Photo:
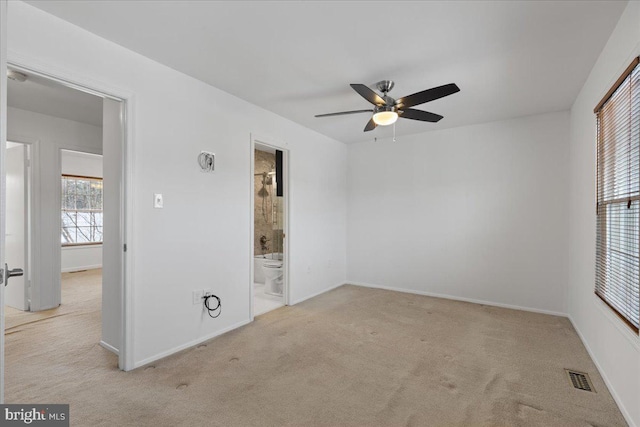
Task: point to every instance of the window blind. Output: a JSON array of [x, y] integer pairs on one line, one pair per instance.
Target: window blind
[[618, 197]]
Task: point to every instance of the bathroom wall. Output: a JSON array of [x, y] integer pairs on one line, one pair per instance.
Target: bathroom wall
[[263, 204]]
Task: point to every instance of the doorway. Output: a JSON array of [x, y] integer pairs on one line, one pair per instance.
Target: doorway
[[269, 284], [69, 251]]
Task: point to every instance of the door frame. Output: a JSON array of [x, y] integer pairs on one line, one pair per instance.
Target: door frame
[[277, 145], [104, 90], [3, 144]]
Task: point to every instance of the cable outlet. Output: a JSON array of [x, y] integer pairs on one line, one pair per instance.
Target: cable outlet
[[158, 202], [197, 297]]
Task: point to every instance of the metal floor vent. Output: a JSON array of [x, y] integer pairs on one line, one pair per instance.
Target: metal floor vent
[[580, 380]]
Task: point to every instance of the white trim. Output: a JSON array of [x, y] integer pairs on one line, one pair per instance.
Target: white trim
[[125, 359], [298, 301], [109, 347], [80, 268], [457, 298], [252, 207], [612, 390], [193, 343]]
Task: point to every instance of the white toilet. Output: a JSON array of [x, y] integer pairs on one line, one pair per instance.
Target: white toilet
[[273, 276]]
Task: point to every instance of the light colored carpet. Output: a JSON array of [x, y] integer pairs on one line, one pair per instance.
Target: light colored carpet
[[81, 293], [350, 357]]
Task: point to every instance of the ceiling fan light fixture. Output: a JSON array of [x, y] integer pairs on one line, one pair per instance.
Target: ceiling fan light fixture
[[385, 116]]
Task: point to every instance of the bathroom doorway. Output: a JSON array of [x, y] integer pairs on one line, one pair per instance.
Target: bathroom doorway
[[269, 284]]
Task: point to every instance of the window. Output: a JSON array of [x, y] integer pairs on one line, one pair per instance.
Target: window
[[618, 197], [81, 210]]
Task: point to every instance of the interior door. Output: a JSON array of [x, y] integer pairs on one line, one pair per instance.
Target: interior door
[[16, 217]]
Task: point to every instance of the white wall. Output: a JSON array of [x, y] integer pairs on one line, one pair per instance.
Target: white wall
[[614, 348], [49, 135], [81, 164], [477, 212], [201, 237], [76, 258]]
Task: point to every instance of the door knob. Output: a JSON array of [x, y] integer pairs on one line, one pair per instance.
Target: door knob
[[16, 272]]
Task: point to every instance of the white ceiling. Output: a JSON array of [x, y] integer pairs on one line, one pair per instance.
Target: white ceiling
[[44, 96], [297, 59]]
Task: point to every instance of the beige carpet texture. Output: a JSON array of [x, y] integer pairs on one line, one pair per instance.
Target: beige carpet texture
[[350, 357]]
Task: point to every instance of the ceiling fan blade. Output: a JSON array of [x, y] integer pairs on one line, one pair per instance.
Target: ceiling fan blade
[[344, 112], [371, 125], [423, 116], [427, 95], [368, 94]]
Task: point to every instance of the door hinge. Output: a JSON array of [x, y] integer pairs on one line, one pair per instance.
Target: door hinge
[[125, 247]]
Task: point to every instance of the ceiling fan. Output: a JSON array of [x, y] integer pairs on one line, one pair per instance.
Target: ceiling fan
[[387, 110]]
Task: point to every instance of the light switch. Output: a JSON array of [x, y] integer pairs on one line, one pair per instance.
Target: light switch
[[158, 203]]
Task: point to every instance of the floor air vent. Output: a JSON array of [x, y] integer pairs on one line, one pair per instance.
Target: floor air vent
[[580, 380]]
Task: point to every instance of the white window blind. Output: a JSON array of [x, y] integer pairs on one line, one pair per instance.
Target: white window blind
[[618, 197]]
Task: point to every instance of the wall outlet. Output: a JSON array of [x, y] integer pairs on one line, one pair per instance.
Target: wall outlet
[[197, 297]]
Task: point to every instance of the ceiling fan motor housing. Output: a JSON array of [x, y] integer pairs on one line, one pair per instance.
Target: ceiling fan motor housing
[[385, 86]]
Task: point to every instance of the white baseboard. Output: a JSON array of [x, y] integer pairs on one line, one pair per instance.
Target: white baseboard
[[457, 298], [109, 347], [298, 301], [612, 390], [80, 268], [190, 344]]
